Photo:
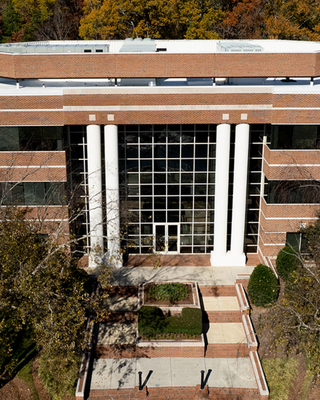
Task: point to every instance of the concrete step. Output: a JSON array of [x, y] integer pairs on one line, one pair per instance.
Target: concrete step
[[222, 309]]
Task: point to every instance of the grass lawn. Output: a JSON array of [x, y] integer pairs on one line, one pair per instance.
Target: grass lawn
[[280, 374], [25, 374]]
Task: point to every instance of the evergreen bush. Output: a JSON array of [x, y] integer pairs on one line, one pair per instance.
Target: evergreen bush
[[287, 262], [263, 286], [151, 322]]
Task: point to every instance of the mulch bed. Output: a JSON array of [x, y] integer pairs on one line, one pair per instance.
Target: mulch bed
[[148, 300]]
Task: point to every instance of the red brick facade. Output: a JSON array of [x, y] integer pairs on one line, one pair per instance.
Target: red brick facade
[[23, 66]]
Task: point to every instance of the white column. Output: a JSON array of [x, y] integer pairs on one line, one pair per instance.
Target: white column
[[95, 194], [239, 195], [112, 193], [218, 255]]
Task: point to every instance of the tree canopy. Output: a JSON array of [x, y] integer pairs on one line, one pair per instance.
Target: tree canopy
[[42, 290], [295, 319], [167, 19]]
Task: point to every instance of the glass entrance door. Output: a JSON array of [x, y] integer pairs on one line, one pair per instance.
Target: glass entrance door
[[166, 238]]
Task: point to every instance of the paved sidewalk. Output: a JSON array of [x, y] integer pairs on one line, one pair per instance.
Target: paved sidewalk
[[132, 276], [168, 372]]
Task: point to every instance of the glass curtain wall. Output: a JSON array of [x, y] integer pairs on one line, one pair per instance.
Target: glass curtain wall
[[167, 180]]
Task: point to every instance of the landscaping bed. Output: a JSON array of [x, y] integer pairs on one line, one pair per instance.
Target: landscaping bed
[[146, 296], [169, 315], [151, 299]]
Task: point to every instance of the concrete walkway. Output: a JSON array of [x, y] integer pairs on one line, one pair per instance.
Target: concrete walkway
[[133, 276], [168, 372]]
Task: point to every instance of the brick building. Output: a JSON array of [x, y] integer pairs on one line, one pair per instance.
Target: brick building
[[211, 147]]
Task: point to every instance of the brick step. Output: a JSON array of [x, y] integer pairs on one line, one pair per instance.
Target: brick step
[[122, 291], [124, 317], [176, 392], [132, 351], [227, 350], [217, 290], [224, 316]]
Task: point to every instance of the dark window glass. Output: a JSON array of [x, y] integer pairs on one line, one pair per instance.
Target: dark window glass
[[186, 165], [202, 178], [145, 178], [159, 203], [159, 178], [146, 165], [187, 150], [174, 165], [173, 203], [173, 151], [132, 151], [173, 216], [146, 151], [146, 189], [160, 151], [187, 189], [159, 216], [160, 190], [146, 203], [146, 229], [173, 190], [201, 150], [173, 178], [187, 178], [201, 165]]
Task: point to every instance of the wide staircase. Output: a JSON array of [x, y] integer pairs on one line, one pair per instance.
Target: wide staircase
[[230, 361]]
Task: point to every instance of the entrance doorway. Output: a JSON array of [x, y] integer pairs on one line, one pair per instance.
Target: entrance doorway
[[166, 238]]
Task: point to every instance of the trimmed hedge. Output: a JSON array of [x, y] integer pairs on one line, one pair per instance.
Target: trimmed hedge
[[263, 286], [287, 262], [151, 322]]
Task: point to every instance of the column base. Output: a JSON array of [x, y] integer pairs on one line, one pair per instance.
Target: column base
[[228, 260]]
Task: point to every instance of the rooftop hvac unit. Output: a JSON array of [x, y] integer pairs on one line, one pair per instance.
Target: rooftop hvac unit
[[238, 47]]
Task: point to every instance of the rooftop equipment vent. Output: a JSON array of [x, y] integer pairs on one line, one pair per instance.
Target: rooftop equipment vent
[[238, 47], [138, 45]]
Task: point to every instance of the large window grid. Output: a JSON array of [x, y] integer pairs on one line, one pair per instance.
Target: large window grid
[[257, 132], [77, 168], [167, 175]]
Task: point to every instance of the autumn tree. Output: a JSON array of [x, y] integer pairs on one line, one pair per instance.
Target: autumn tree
[[293, 19], [159, 19], [243, 20], [41, 290], [295, 319]]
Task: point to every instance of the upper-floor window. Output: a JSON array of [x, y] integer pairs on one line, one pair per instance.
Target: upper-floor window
[[32, 193], [292, 192], [31, 138], [295, 137]]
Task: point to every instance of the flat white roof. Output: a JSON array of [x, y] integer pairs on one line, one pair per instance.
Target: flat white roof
[[187, 46]]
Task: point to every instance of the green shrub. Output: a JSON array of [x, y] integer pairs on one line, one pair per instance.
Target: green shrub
[[263, 286], [287, 262], [151, 322], [192, 318], [59, 375], [172, 292]]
